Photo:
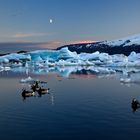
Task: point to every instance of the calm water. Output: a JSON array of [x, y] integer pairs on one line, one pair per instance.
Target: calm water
[[76, 108]]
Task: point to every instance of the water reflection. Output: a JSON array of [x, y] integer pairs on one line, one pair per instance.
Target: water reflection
[[95, 103], [126, 75]]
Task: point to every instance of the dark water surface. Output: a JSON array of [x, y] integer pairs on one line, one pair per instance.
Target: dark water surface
[[76, 108]]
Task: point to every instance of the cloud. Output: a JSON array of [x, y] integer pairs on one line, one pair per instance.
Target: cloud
[[26, 35], [50, 45], [56, 44]]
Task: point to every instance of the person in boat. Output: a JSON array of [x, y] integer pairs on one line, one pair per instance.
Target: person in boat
[[135, 104], [34, 88], [36, 84], [26, 93], [42, 91]]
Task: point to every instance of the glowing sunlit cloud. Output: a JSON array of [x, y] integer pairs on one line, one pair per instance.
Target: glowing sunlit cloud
[[81, 42]]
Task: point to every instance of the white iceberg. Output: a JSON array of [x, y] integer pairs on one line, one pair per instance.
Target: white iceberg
[[64, 57], [27, 80]]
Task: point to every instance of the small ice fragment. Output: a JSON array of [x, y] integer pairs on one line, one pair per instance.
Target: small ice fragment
[[126, 80], [27, 80]]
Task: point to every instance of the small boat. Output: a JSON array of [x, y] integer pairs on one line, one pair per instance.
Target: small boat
[[45, 90], [26, 93], [135, 104], [42, 91]]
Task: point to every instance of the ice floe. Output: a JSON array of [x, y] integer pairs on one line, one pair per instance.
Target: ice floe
[[64, 57]]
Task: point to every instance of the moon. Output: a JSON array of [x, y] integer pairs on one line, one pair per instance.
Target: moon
[[51, 20]]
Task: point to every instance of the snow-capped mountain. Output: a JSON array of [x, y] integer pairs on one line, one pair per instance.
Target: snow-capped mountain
[[119, 46], [128, 41]]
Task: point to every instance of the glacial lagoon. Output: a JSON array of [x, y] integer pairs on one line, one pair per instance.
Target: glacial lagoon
[[81, 104]]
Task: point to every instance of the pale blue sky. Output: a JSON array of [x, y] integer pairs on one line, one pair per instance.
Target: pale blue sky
[[28, 20]]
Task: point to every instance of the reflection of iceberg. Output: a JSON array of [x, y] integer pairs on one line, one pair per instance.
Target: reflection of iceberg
[[126, 75], [5, 68], [67, 70], [132, 78]]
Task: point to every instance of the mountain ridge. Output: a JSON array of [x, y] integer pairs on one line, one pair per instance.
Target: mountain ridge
[[119, 46]]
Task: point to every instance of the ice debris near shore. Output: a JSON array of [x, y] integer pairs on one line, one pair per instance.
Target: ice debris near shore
[[64, 57]]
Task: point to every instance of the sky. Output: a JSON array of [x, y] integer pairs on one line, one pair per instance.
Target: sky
[[68, 20]]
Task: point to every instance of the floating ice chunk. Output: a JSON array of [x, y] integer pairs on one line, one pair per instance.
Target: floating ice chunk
[[104, 57], [14, 57], [125, 80], [134, 56], [66, 63], [87, 56], [27, 80], [130, 80], [64, 57], [66, 54], [119, 58], [44, 55], [4, 60], [54, 55], [37, 58]]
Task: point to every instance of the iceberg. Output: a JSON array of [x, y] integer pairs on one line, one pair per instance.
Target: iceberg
[[15, 56], [27, 80], [125, 80], [134, 57], [64, 57], [88, 56]]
